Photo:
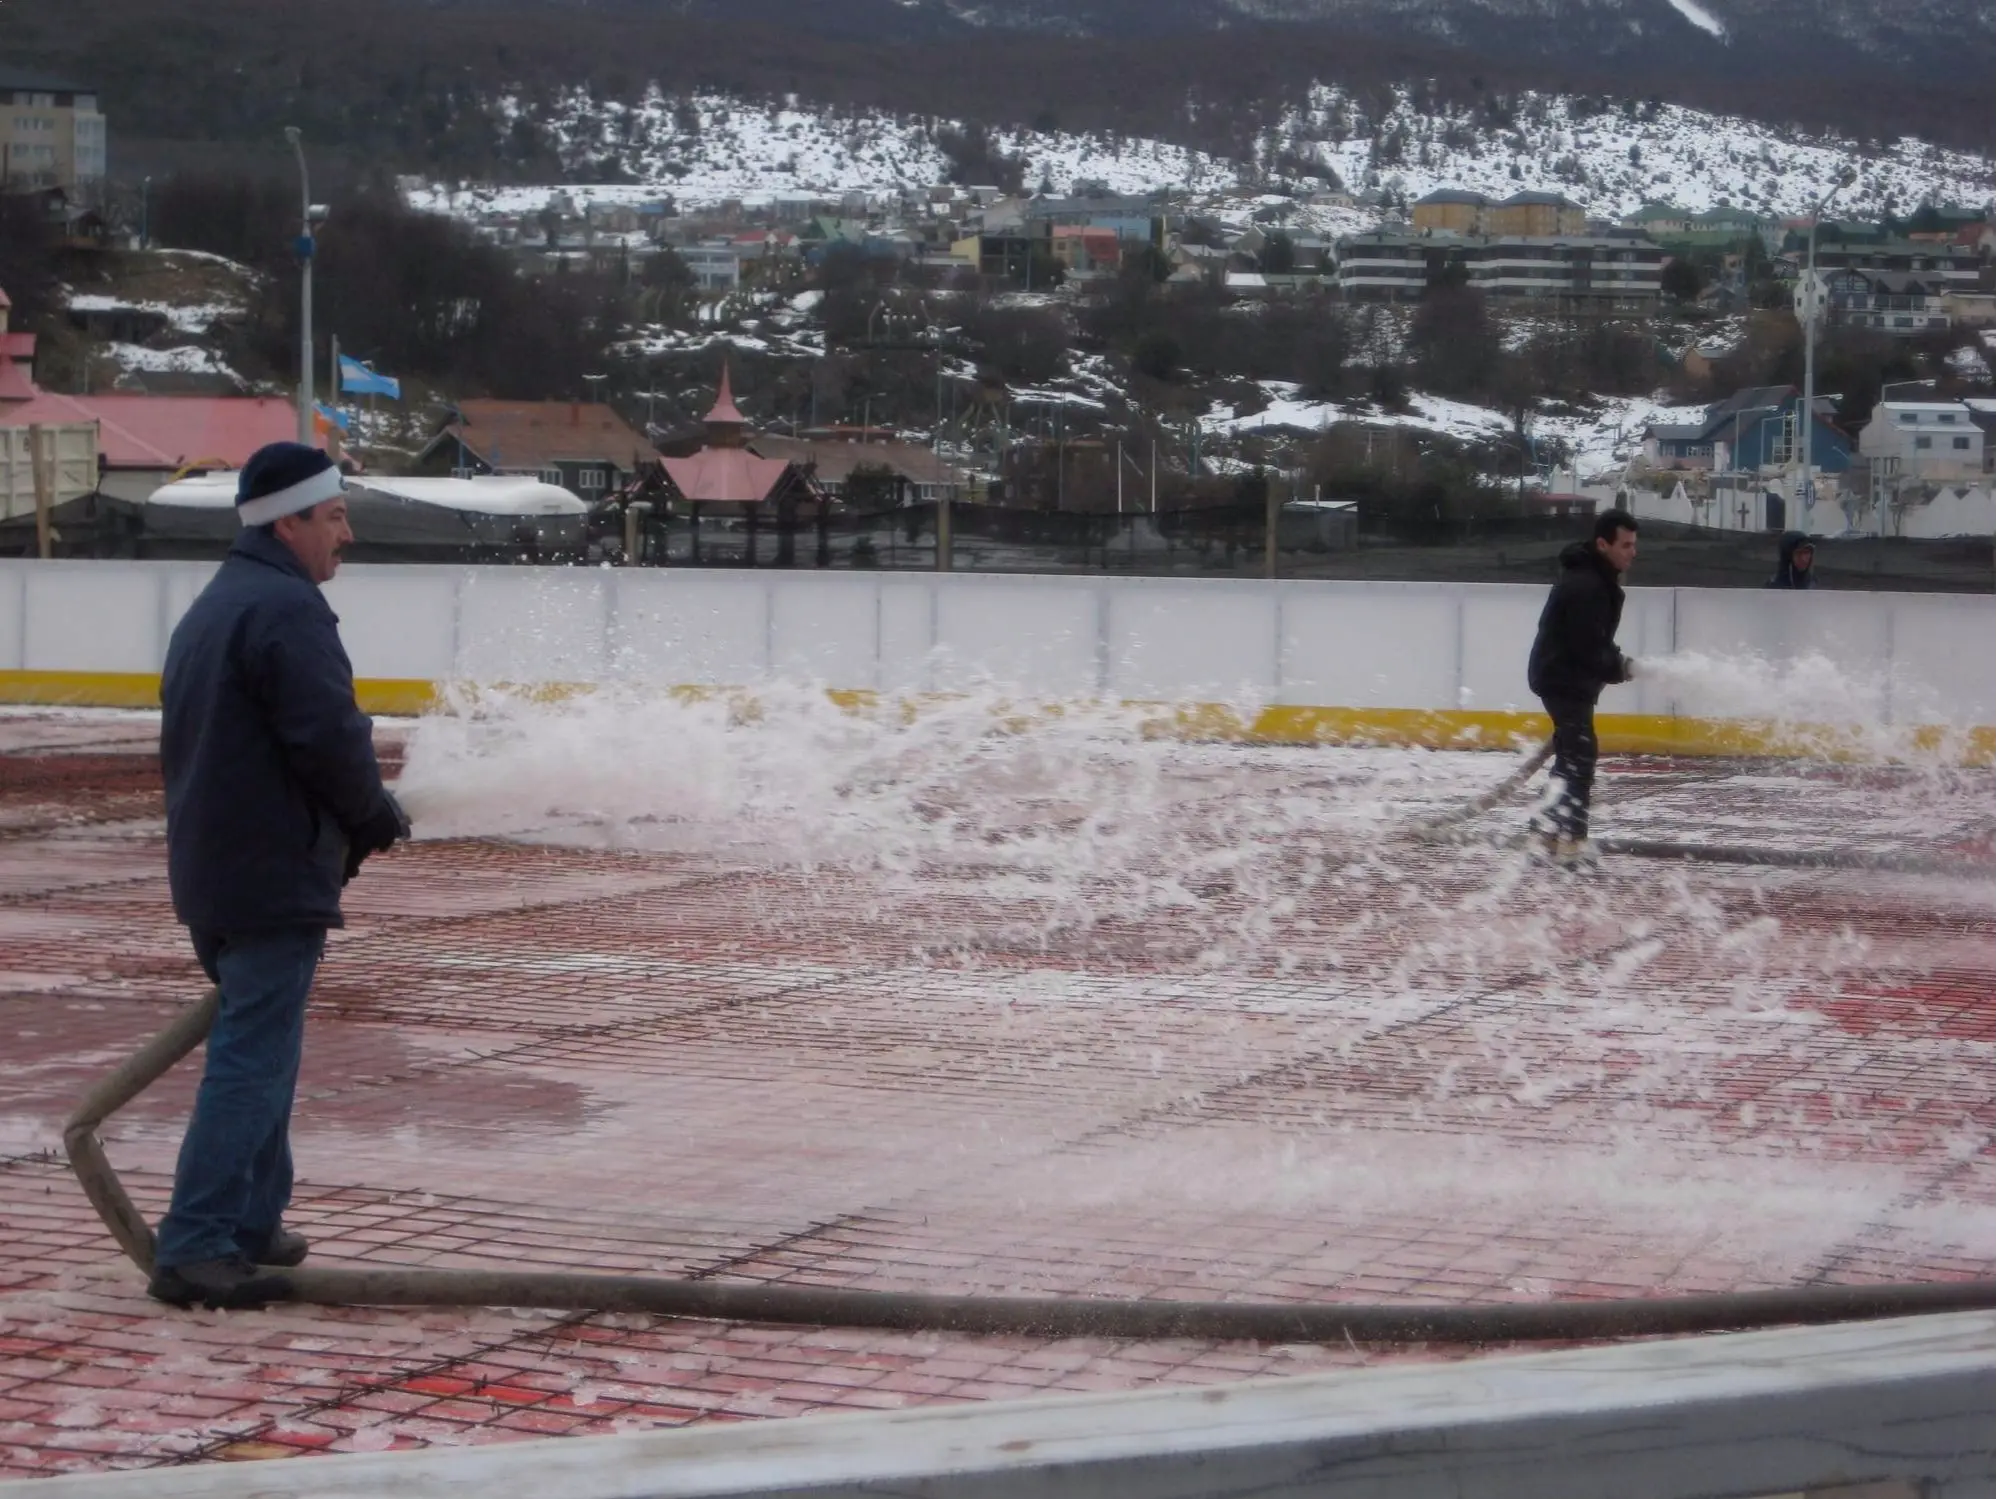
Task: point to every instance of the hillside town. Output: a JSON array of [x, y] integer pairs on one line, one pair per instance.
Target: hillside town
[[969, 351]]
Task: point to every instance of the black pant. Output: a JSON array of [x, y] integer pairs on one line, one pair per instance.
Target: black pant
[[1573, 764]]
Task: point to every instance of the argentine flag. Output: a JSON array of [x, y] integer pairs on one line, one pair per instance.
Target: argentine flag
[[356, 379]]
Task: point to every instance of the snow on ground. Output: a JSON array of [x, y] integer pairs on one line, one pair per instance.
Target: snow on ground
[[1690, 157], [184, 359], [706, 148], [1599, 442], [1602, 442], [1700, 17], [656, 339], [197, 318], [1969, 362]]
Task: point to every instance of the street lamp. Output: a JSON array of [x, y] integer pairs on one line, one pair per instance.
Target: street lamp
[[936, 339], [304, 249], [1808, 491]]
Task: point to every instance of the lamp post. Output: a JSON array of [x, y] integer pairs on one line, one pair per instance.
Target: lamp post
[[936, 340], [1807, 491], [304, 248]]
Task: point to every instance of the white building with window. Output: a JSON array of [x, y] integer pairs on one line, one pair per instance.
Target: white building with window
[[1925, 440]]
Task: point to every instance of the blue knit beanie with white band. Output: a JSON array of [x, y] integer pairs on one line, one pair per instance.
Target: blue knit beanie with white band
[[283, 478]]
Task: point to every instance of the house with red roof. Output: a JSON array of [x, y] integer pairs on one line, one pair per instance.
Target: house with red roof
[[584, 447], [142, 441], [726, 477]]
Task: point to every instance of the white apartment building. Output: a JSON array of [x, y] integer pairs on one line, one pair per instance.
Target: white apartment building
[[1925, 439], [51, 135]]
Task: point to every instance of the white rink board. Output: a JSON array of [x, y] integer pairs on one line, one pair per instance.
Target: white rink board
[[1329, 644]]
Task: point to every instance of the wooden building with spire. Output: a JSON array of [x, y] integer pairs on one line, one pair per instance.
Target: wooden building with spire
[[725, 477]]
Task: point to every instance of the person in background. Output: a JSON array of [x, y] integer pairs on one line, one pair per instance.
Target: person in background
[[1574, 656], [273, 799], [1793, 561]]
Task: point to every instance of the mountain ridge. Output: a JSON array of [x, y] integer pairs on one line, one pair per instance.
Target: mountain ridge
[[398, 86]]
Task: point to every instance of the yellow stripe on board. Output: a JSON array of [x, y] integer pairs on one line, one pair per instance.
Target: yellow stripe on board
[[1620, 733]]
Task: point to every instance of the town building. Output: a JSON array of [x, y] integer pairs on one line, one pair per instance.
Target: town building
[[1392, 265], [727, 479], [1894, 302], [725, 470], [1750, 431], [1716, 228], [51, 136], [894, 473], [1453, 210], [141, 441], [1613, 273], [581, 446], [1132, 219], [1955, 265], [1085, 251], [1925, 439], [1535, 215]]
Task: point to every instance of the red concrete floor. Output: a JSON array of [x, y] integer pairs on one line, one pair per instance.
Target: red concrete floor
[[1417, 1073]]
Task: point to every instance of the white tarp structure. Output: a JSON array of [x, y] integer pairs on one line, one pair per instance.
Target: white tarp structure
[[490, 511]]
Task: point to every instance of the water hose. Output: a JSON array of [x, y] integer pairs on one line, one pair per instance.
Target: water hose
[[1439, 830], [907, 1311], [1478, 805]]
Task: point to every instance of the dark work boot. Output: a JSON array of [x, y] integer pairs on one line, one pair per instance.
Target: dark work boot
[[283, 1247], [231, 1284]]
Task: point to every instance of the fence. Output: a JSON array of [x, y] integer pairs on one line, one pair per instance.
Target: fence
[[1436, 663]]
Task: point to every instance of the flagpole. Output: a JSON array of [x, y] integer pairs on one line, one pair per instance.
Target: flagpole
[[333, 433]]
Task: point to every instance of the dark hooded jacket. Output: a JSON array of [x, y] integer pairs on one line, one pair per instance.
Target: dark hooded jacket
[[268, 761], [1786, 573], [1574, 655]]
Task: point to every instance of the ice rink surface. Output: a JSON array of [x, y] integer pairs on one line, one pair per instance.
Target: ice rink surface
[[1052, 1006]]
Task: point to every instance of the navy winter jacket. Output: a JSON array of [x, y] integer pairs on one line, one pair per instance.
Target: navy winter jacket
[[269, 763], [1786, 572], [1574, 655]]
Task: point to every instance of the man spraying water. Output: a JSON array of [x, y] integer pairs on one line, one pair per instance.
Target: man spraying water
[[1574, 657], [273, 799]]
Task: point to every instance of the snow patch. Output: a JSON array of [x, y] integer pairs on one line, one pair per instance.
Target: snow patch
[[1700, 17]]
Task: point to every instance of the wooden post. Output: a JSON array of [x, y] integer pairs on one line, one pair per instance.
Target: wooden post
[[1273, 511], [44, 497]]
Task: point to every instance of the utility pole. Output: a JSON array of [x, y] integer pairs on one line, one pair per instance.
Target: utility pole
[[304, 248], [1061, 456], [333, 443], [1807, 491]]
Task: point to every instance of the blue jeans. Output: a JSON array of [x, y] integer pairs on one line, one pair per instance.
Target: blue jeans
[[233, 1181]]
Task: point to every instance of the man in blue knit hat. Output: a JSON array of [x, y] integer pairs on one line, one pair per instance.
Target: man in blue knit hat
[[273, 799]]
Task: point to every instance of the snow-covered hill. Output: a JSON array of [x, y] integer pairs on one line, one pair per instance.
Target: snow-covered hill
[[709, 147], [1610, 161]]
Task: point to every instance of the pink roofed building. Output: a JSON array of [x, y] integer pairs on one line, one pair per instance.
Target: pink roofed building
[[141, 440], [726, 478]]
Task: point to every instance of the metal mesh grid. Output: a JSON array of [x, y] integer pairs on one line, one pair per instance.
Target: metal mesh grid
[[529, 1054]]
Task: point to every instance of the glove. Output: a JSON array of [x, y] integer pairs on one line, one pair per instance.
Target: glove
[[387, 827]]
